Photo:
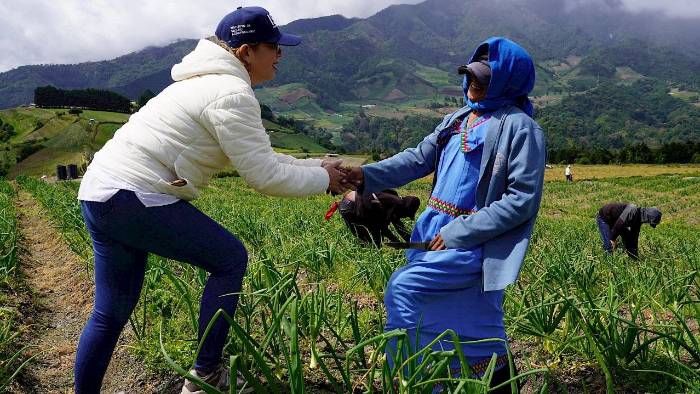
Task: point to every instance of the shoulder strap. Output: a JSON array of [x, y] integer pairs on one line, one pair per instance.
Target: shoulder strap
[[441, 143]]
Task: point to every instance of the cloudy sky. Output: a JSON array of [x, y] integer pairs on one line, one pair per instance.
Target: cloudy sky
[[75, 31]]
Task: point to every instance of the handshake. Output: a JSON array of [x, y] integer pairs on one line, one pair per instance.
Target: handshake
[[341, 178]]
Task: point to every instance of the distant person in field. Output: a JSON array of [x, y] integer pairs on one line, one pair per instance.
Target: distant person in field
[[624, 220], [569, 175], [488, 161], [136, 192]]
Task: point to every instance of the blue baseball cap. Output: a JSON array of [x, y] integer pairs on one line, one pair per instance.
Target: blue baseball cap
[[251, 25]]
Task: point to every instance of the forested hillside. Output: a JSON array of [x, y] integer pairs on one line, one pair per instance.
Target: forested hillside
[[606, 77]]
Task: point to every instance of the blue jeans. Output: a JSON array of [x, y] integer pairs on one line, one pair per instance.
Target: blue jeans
[[123, 232], [605, 234]]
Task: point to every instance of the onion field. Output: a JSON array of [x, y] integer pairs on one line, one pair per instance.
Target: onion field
[[311, 318], [11, 362]]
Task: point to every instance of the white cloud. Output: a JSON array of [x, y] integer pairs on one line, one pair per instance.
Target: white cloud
[[75, 31], [673, 8]]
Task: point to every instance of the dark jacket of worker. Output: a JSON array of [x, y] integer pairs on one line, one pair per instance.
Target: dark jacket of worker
[[625, 220]]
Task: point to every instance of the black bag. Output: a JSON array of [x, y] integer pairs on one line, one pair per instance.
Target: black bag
[[369, 217]]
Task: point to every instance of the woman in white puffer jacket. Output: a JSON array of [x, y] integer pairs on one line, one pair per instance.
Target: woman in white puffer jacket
[[134, 194]]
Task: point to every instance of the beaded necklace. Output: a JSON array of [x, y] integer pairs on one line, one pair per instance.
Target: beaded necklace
[[471, 125]]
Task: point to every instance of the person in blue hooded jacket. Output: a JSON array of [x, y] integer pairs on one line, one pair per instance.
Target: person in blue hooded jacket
[[489, 160]]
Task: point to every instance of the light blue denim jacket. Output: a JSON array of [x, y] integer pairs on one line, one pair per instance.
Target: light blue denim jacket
[[508, 194]]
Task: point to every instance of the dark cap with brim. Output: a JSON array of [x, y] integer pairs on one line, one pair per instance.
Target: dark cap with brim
[[651, 216], [252, 25], [480, 71]]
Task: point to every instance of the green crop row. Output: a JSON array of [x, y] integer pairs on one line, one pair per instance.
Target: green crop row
[[11, 354], [311, 317]]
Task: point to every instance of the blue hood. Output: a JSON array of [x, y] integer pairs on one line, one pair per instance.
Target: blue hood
[[512, 76]]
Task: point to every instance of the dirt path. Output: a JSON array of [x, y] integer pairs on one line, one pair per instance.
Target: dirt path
[[62, 293]]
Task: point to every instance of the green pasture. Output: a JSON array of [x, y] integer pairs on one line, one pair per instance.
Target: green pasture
[[438, 78], [63, 138]]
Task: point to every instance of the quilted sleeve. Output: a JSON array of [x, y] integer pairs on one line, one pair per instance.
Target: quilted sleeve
[[235, 122], [287, 159]]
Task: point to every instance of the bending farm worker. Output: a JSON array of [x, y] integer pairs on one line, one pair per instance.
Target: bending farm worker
[[625, 221]]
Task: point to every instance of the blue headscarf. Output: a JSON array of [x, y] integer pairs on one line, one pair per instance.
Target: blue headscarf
[[512, 76]]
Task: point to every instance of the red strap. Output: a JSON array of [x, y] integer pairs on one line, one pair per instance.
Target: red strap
[[332, 209]]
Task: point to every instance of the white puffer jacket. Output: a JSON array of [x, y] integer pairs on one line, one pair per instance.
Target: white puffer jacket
[[195, 127]]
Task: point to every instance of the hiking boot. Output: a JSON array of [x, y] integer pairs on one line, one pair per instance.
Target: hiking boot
[[219, 378]]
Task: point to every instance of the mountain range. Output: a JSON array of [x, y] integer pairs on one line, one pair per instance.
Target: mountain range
[[409, 53]]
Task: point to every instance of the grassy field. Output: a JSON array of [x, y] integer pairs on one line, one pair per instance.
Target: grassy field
[[288, 140], [590, 172], [685, 95], [26, 120], [63, 138], [44, 162], [438, 78], [311, 315]]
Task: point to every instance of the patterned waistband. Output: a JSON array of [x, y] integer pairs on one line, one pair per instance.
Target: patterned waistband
[[448, 208], [479, 368]]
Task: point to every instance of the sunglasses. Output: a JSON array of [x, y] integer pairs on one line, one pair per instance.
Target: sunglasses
[[274, 46]]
